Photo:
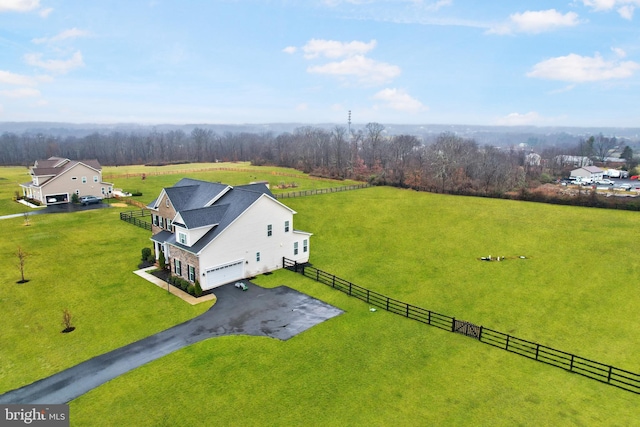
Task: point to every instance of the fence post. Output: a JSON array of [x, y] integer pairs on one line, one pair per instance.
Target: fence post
[[507, 346], [350, 288], [537, 350], [453, 324], [368, 296], [317, 275], [571, 364], [429, 317], [387, 303], [609, 376], [480, 334], [333, 281]]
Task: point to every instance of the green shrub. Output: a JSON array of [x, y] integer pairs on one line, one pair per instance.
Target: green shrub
[[75, 198], [162, 261], [198, 289], [146, 254], [191, 289]]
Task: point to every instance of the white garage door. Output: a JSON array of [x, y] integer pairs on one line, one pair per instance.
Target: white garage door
[[222, 274]]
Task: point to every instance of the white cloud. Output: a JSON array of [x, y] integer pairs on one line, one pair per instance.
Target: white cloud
[[18, 5], [66, 34], [626, 12], [398, 99], [620, 53], [290, 50], [336, 49], [624, 7], [578, 69], [45, 12], [534, 22], [364, 70], [25, 92], [517, 119], [55, 65], [16, 79], [302, 107]]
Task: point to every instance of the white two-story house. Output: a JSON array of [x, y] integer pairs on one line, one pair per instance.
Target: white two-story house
[[215, 233]]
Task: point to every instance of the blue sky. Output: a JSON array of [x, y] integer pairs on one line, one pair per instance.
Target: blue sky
[[543, 63]]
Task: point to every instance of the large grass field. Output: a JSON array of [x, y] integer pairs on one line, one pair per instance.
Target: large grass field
[[576, 291]]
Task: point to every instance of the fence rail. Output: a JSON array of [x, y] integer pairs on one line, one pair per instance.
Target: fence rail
[[135, 218], [608, 374], [320, 191]]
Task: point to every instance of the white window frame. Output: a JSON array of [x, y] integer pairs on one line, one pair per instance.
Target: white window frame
[[177, 267], [84, 179], [305, 246], [257, 256], [192, 273], [295, 248], [95, 178], [269, 230], [182, 238], [286, 226]]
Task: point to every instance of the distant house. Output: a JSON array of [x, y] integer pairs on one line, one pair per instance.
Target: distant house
[[55, 180], [532, 159], [587, 173], [576, 161], [216, 233]]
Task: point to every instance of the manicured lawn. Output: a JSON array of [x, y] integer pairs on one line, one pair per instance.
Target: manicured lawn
[[10, 180], [82, 262], [576, 291], [360, 368]]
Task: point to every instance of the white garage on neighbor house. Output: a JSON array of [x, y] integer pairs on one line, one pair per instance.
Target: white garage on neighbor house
[[215, 233]]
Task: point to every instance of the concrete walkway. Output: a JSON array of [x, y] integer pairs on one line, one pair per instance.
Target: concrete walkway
[[277, 313], [144, 273]]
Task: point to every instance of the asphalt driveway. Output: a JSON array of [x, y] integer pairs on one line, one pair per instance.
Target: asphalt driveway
[[277, 313]]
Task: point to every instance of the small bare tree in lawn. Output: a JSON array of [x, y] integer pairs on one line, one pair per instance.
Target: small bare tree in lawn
[[66, 321], [26, 218], [22, 256]]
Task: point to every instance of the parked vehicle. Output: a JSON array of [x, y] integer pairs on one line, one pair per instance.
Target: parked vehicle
[[604, 182], [90, 200]]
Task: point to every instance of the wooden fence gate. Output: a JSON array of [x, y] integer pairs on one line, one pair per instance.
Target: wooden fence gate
[[467, 328]]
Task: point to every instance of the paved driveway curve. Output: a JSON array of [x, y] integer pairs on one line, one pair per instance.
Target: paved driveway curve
[[278, 313]]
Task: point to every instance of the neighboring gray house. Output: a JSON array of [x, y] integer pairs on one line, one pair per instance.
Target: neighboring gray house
[[587, 173], [216, 233], [55, 180]]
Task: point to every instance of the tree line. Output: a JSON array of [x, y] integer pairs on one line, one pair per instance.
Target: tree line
[[448, 163]]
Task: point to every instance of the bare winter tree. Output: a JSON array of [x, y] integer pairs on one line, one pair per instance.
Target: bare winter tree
[[22, 256], [602, 146]]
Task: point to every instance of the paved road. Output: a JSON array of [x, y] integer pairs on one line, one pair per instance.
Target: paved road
[[62, 208], [278, 313]]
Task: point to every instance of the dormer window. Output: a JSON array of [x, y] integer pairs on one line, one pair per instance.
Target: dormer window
[[182, 238]]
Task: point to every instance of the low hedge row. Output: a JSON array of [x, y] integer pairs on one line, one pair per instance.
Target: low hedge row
[[191, 288]]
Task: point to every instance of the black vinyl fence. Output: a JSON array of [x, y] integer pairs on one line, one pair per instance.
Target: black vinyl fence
[[137, 218], [608, 374], [320, 191]]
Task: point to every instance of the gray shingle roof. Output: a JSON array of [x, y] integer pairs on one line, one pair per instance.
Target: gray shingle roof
[[203, 217], [190, 198]]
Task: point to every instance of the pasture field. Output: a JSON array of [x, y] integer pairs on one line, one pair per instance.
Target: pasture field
[[576, 291], [157, 177]]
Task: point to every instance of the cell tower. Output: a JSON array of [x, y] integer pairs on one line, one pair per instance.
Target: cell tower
[[349, 124]]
